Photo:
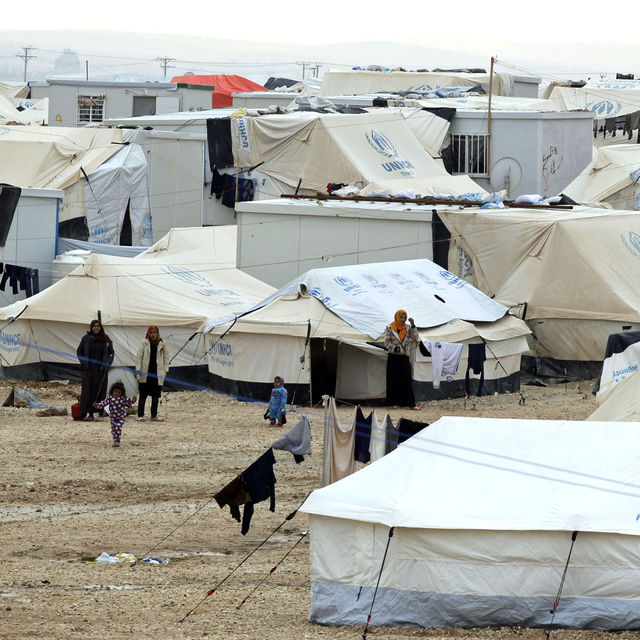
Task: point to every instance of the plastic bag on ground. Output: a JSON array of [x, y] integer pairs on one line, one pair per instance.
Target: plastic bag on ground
[[114, 558]]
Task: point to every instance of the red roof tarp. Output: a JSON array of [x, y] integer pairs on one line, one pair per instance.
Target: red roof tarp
[[224, 87]]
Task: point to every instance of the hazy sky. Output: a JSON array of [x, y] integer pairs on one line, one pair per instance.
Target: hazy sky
[[465, 22]]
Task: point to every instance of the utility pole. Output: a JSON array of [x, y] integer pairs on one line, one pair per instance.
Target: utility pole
[[26, 56], [164, 63], [314, 67]]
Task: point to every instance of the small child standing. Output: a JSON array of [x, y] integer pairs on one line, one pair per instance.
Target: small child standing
[[118, 403], [277, 403]]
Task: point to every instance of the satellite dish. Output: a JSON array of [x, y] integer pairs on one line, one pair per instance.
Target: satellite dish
[[189, 73], [506, 174]]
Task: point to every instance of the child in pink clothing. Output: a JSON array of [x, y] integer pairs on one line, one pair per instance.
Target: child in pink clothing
[[118, 403]]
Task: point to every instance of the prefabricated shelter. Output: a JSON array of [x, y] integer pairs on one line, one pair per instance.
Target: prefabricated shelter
[[472, 522], [104, 179], [337, 82], [76, 103], [177, 155], [568, 273], [222, 87], [315, 234], [178, 293], [28, 236], [324, 332], [611, 178]]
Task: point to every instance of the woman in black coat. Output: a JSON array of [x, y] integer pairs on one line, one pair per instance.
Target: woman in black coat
[[95, 353]]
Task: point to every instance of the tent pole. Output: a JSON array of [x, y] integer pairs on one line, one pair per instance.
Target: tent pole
[[574, 535], [489, 120], [375, 593]]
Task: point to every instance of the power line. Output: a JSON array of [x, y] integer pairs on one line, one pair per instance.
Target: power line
[[26, 56], [164, 64]]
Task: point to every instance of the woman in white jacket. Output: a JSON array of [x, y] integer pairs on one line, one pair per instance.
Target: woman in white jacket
[[152, 365]]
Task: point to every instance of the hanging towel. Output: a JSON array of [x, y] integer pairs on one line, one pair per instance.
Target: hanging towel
[[445, 359], [339, 441], [363, 436], [408, 428], [475, 363], [296, 441], [378, 443], [391, 434]]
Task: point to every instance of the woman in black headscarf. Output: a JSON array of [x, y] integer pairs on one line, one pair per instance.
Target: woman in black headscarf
[[95, 353]]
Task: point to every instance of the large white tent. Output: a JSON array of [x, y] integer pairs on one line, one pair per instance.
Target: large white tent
[[483, 513], [305, 152], [178, 293], [103, 178], [338, 82], [320, 333], [568, 273], [605, 99], [612, 178]]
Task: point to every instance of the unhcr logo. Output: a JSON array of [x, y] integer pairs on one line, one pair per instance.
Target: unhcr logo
[[605, 108], [632, 243], [342, 281], [381, 143]]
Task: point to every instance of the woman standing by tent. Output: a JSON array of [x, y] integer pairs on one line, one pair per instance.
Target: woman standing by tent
[[152, 365], [95, 353], [397, 339]]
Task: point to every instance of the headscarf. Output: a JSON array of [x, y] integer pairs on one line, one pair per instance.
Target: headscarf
[[400, 329], [281, 381], [100, 337], [149, 330]]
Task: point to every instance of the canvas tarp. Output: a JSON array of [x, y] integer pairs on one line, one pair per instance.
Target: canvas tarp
[[53, 158], [611, 178], [224, 87], [14, 89], [349, 82], [562, 264], [605, 99], [220, 241], [178, 293], [620, 402], [498, 103], [9, 114], [310, 152], [367, 296]]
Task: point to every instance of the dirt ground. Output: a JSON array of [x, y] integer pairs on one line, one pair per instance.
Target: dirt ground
[[66, 496]]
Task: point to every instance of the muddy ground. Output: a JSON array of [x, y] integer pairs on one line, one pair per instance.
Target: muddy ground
[[66, 496]]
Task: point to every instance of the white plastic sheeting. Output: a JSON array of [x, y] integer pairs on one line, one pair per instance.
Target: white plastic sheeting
[[367, 296], [119, 185]]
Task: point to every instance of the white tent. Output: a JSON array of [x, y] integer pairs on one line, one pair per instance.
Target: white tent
[[620, 402], [566, 272], [221, 241], [9, 114], [612, 178], [179, 293], [302, 152], [318, 333], [483, 512], [498, 103], [337, 82], [605, 99], [103, 178]]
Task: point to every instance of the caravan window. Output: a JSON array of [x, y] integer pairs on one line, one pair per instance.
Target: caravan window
[[90, 109], [470, 154]]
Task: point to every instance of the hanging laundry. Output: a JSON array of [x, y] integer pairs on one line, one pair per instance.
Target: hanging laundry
[[390, 434], [255, 484], [445, 360], [408, 428], [234, 494], [246, 190], [32, 275], [378, 443], [339, 442], [475, 362], [260, 481], [217, 183], [19, 278], [296, 441], [228, 191], [363, 436], [9, 197]]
